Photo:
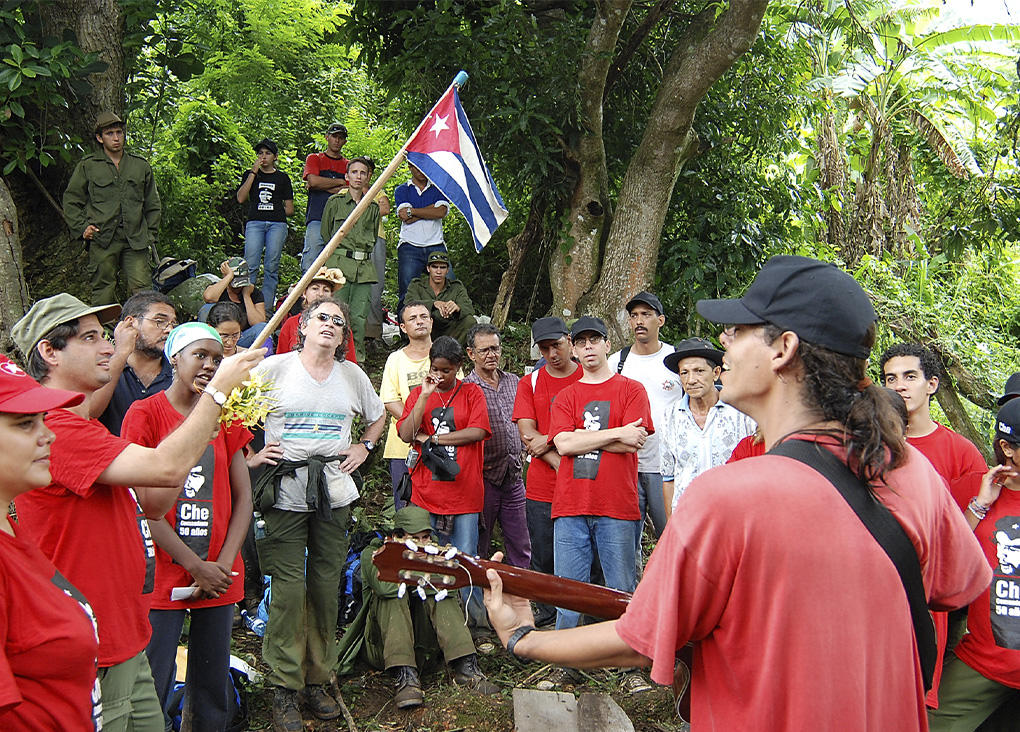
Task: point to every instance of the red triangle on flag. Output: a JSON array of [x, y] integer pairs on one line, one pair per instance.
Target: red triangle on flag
[[439, 132]]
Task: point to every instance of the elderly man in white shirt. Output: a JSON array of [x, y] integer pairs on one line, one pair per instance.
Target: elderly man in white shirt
[[700, 430]]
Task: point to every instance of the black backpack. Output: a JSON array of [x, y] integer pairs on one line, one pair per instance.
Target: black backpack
[[171, 272]]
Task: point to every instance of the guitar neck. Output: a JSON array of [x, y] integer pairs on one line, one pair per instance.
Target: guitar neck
[[397, 562]]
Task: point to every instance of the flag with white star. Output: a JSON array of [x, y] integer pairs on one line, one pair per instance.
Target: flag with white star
[[445, 150]]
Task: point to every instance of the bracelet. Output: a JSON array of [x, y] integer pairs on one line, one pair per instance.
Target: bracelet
[[978, 509], [516, 636]]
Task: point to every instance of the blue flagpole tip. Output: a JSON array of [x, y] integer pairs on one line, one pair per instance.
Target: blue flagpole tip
[[460, 79]]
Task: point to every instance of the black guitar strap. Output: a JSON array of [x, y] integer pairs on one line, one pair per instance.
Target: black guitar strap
[[887, 532]]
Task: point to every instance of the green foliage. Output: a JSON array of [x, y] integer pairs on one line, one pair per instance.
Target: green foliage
[[39, 77]]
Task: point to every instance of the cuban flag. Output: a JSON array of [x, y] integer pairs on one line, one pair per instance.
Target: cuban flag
[[444, 149]]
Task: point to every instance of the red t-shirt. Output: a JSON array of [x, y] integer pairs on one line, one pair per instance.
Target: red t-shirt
[[204, 507], [535, 396], [955, 458], [747, 448], [89, 530], [466, 493], [287, 341], [599, 483], [798, 617], [992, 643], [48, 668]]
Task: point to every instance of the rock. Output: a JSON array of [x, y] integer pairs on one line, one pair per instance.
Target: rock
[[600, 712], [542, 711]]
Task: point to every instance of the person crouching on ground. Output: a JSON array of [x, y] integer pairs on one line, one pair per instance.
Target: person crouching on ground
[[400, 634]]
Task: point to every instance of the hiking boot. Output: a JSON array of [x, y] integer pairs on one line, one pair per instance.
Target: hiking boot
[[408, 692], [466, 673], [634, 682], [323, 705], [286, 717], [559, 677]]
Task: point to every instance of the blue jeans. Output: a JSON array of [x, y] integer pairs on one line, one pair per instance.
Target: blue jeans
[[313, 244], [411, 261], [650, 503], [575, 538], [268, 237], [465, 537]]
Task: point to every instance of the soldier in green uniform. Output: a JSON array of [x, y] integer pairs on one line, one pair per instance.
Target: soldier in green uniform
[[400, 634], [453, 313], [111, 202], [354, 255]]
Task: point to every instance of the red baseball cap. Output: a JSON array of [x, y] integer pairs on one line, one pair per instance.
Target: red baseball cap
[[21, 394]]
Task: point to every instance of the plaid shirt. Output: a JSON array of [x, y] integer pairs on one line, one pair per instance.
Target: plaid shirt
[[502, 452]]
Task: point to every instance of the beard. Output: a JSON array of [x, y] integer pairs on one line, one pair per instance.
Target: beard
[[149, 350]]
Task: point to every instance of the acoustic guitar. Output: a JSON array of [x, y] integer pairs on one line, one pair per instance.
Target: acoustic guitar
[[446, 568]]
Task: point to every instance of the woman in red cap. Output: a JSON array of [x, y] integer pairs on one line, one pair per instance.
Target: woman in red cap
[[48, 667]]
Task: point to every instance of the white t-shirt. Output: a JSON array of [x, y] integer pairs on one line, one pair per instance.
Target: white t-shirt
[[663, 388], [313, 418], [400, 375]]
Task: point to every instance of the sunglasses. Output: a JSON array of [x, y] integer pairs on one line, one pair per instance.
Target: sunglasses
[[326, 317]]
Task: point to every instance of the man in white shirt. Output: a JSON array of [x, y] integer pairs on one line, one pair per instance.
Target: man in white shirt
[[421, 208], [643, 362], [700, 430]]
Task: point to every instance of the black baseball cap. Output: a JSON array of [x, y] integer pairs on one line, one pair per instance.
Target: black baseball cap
[[268, 145], [336, 129], [1012, 389], [1007, 422], [648, 299], [693, 347], [819, 302], [548, 329], [588, 324]]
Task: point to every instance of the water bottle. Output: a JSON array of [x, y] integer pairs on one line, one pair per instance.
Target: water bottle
[[260, 526], [255, 624]]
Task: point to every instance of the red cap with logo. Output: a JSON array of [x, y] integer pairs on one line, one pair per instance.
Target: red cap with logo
[[21, 394]]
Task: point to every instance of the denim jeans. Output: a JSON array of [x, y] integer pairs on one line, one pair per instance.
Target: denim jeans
[[577, 537], [313, 244], [411, 261], [268, 237], [465, 537], [650, 503]]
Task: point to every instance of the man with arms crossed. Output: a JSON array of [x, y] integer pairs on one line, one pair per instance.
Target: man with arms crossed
[[85, 521], [533, 414], [770, 532]]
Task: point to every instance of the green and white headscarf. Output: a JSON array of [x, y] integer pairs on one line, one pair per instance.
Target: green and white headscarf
[[186, 334]]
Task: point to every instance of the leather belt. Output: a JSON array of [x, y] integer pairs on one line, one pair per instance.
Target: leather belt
[[359, 256]]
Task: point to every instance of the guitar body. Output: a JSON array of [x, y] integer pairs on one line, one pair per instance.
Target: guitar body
[[403, 562]]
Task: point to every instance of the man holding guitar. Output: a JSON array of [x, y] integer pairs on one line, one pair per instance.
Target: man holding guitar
[[799, 619]]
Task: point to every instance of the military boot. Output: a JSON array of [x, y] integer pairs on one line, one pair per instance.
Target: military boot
[[467, 673], [408, 692], [286, 717]]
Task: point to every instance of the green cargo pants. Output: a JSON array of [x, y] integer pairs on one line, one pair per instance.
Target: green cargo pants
[[300, 642], [358, 296], [410, 632], [106, 262]]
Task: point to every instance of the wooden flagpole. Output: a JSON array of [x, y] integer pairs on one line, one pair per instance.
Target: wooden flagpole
[[347, 225]]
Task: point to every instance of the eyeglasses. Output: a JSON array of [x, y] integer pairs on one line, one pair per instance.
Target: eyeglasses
[[487, 351], [230, 337], [162, 323], [326, 317], [590, 338]]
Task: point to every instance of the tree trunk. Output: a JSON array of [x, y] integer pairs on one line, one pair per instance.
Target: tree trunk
[[707, 50], [518, 247], [99, 27], [573, 266], [832, 167], [14, 301], [960, 421]]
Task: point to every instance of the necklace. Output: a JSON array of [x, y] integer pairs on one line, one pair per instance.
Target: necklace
[[443, 401]]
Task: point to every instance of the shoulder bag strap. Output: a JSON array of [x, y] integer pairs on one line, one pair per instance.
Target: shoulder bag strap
[[886, 530], [623, 358]]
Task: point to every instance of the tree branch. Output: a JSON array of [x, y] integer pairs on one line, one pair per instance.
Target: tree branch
[[633, 43]]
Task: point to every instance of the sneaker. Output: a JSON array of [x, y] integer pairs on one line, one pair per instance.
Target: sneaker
[[486, 647], [467, 673], [408, 692], [286, 717], [634, 682], [559, 677], [323, 705]]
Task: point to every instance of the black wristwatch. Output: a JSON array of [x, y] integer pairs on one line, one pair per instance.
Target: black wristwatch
[[516, 636], [369, 445]]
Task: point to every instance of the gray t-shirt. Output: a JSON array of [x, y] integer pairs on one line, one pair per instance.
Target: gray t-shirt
[[313, 418]]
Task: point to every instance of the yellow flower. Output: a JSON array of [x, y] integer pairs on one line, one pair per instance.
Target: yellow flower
[[249, 403]]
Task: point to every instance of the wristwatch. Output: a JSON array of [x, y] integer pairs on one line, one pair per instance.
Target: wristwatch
[[369, 445], [218, 396]]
